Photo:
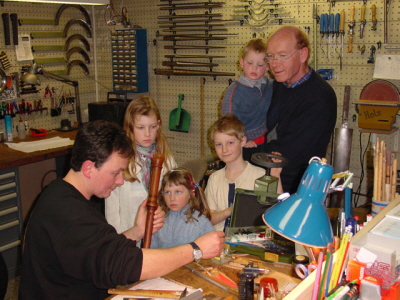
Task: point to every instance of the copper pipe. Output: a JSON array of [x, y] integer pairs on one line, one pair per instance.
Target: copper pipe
[[156, 167]]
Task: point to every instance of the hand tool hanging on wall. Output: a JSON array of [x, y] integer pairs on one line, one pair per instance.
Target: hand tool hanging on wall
[[331, 34], [179, 72], [80, 22], [323, 29], [77, 6], [79, 63], [14, 25], [156, 167], [373, 19], [205, 15], [363, 21], [337, 33], [4, 60], [371, 58], [341, 31], [210, 57], [188, 64], [385, 22], [315, 30], [6, 27], [352, 23], [79, 37], [186, 47], [342, 147], [80, 51], [205, 20], [195, 5], [179, 119]]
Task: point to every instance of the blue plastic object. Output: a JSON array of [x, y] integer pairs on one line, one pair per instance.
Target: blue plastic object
[[326, 74], [303, 217]]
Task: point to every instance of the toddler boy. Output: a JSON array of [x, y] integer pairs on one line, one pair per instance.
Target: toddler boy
[[249, 97]]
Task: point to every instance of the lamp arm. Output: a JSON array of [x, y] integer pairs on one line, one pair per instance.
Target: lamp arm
[[75, 84]]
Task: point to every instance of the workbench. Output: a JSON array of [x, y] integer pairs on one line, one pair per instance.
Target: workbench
[[282, 272], [22, 178]]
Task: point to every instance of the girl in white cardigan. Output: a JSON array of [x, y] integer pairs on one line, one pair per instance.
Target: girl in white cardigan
[[142, 122]]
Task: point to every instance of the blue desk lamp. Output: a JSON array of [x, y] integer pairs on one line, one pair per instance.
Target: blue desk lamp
[[303, 217]]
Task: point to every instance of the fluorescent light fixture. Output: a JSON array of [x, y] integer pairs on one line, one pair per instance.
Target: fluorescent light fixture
[[84, 2]]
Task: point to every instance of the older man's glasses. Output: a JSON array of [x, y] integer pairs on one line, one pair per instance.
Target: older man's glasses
[[279, 57]]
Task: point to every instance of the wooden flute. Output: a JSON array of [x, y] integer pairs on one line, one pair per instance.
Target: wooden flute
[[156, 167]]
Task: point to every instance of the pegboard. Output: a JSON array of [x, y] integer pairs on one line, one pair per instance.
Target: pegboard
[[355, 71]]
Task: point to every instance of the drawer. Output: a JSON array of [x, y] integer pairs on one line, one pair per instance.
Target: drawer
[[8, 200], [12, 256], [9, 232], [7, 178], [9, 214]]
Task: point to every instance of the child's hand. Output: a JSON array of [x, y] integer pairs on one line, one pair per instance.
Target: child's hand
[[250, 144]]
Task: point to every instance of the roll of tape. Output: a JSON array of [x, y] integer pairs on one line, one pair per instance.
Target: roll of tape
[[301, 271]]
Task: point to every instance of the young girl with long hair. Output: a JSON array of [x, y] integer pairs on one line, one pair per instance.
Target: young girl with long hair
[[142, 123], [187, 215]]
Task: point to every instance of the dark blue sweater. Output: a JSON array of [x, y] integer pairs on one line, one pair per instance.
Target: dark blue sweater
[[305, 117]]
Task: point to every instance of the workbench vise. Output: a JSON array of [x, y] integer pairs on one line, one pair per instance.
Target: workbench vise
[[266, 186], [246, 281]]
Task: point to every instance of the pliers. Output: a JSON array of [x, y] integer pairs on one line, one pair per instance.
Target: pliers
[[47, 91]]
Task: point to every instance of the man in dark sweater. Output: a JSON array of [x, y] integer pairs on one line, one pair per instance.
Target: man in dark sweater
[[303, 108], [70, 250]]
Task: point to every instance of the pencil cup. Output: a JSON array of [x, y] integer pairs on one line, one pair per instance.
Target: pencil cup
[[377, 207]]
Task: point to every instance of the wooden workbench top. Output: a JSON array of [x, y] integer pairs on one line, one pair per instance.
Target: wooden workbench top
[[12, 158]]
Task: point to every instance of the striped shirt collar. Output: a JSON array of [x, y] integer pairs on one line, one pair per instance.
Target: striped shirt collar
[[252, 83], [301, 80]]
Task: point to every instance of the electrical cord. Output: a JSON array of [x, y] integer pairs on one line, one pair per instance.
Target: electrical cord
[[362, 157]]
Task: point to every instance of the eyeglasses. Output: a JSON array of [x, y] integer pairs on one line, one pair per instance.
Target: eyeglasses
[[279, 57]]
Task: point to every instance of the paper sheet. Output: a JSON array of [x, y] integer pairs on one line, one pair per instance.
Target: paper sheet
[[387, 67], [158, 284], [46, 144]]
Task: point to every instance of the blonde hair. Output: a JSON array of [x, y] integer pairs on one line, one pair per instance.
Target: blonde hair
[[257, 45], [197, 200], [228, 124], [144, 106]]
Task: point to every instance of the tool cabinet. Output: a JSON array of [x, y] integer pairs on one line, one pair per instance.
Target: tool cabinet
[[10, 224]]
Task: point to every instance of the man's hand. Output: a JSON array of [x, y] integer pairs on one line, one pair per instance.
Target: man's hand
[[211, 243], [137, 232]]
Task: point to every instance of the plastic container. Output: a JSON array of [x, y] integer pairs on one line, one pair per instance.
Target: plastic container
[[21, 130], [378, 206], [9, 128]]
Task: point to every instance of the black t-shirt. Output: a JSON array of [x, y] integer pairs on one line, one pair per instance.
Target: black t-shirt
[[71, 252]]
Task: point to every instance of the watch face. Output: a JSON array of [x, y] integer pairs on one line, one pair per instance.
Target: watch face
[[197, 254]]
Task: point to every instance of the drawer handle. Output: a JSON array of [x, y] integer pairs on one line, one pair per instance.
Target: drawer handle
[[7, 186], [8, 197], [9, 224], [7, 175], [8, 210], [10, 245]]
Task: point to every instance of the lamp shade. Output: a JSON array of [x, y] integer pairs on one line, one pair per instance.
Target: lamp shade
[[303, 217]]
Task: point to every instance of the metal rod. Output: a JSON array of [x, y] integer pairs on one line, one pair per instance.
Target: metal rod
[[206, 278]]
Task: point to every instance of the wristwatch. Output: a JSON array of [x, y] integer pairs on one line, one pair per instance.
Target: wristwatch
[[197, 254]]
